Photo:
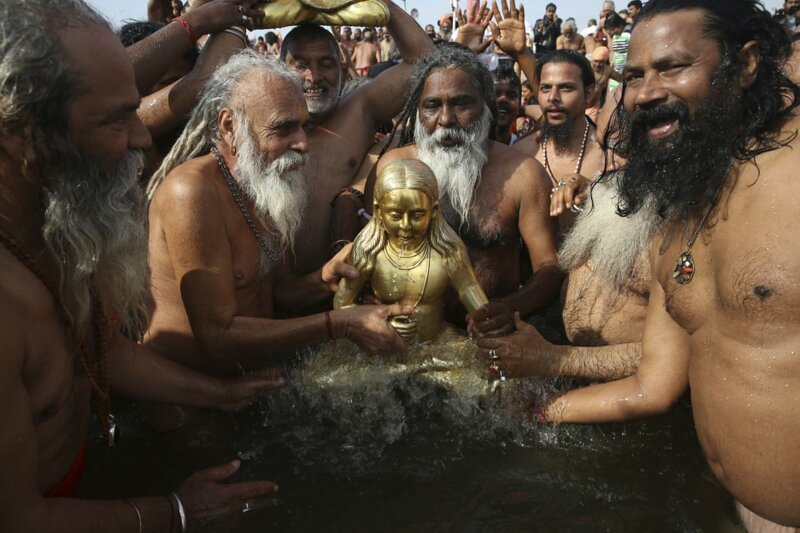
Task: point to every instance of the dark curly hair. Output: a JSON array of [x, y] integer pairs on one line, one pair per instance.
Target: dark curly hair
[[765, 106], [446, 56]]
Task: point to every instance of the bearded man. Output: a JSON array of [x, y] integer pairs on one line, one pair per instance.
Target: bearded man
[[709, 128], [73, 273], [342, 130], [567, 145], [491, 195], [226, 206]]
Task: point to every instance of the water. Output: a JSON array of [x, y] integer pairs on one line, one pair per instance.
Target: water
[[378, 446]]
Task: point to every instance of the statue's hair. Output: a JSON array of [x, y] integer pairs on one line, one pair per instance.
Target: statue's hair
[[446, 56], [36, 83], [202, 130], [406, 174]]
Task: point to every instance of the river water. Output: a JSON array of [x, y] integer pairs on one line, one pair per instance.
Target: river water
[[362, 446]]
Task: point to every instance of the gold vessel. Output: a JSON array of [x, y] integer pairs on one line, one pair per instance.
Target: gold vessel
[[280, 13]]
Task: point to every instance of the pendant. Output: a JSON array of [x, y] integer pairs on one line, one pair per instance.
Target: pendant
[[684, 268]]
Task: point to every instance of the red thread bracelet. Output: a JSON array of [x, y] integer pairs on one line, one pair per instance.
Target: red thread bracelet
[[329, 325], [189, 31]]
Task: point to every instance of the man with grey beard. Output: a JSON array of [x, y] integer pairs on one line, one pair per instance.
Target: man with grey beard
[[492, 195], [225, 210], [73, 275]]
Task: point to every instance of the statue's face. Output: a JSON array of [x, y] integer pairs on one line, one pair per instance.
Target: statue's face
[[406, 215]]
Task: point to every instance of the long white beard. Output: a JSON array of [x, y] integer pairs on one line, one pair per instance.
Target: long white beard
[[613, 243], [96, 227], [278, 189], [457, 168]]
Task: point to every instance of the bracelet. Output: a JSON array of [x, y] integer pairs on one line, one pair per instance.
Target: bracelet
[[188, 28], [138, 513], [233, 30], [348, 190], [329, 325], [337, 246], [181, 511]]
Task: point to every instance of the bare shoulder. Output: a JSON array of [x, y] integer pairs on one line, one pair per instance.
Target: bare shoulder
[[523, 171], [527, 146], [404, 152], [24, 302], [189, 186]]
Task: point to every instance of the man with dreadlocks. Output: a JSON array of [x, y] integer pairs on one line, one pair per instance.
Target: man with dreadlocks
[[491, 194], [708, 123], [73, 272], [342, 130], [226, 207]]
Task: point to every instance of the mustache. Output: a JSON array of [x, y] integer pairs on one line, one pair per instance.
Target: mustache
[[642, 118], [458, 135], [289, 161]]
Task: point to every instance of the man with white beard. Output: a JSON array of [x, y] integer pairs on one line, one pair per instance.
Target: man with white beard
[[492, 195], [225, 209], [73, 273]]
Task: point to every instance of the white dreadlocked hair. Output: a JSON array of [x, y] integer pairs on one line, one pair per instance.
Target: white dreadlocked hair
[[202, 130]]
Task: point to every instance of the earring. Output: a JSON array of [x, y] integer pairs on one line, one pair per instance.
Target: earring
[[24, 167], [233, 150]]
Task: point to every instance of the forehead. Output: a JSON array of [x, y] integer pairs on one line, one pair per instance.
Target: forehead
[[267, 97], [558, 73], [505, 86], [101, 64], [405, 198], [317, 48], [677, 34], [450, 82]]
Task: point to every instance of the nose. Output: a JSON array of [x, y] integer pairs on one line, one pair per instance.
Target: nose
[[554, 96], [139, 136], [405, 222], [651, 91], [447, 117], [300, 142]]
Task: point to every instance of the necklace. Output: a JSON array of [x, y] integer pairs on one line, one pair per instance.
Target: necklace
[[423, 254], [272, 256], [96, 367], [580, 156], [684, 266]]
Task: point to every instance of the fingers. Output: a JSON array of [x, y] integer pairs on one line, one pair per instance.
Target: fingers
[[399, 309], [247, 490], [484, 45], [496, 11], [495, 31], [514, 12], [344, 270], [521, 324], [522, 14], [460, 17], [506, 12], [218, 473], [484, 14]]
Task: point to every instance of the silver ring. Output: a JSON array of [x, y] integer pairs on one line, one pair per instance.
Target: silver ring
[[247, 507], [576, 208], [561, 183], [493, 355]]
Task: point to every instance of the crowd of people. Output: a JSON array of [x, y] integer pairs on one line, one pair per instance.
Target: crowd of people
[[179, 202]]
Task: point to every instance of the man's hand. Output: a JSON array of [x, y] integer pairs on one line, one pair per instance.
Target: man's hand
[[570, 193], [368, 326], [521, 355], [472, 29], [217, 15], [509, 30], [242, 391], [208, 501], [338, 268], [495, 319]]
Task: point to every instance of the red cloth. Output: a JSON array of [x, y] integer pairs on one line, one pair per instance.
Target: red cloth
[[68, 486]]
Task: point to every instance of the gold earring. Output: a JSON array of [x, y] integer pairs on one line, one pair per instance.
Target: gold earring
[[24, 167]]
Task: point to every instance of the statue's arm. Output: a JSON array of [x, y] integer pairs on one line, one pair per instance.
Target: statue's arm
[[349, 289], [464, 281]]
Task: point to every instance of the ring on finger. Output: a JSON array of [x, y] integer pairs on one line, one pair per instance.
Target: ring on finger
[[246, 508], [561, 183], [576, 208], [493, 355]]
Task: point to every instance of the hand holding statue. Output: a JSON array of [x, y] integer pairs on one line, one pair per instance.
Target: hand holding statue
[[523, 354], [207, 17]]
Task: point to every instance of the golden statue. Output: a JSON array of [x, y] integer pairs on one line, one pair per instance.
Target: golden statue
[[280, 13], [409, 254]]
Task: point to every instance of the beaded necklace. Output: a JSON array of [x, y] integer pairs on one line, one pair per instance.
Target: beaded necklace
[[580, 156]]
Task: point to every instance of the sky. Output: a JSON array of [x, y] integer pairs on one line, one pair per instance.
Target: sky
[[429, 10]]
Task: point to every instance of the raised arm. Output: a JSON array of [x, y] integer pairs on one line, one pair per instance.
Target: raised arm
[[508, 32], [155, 54]]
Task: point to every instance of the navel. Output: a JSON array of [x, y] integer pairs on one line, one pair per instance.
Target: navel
[[762, 292], [352, 163]]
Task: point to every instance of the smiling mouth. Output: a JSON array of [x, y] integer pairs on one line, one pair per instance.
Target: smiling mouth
[[662, 128], [314, 93]]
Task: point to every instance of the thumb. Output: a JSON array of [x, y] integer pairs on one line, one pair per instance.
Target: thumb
[[399, 309], [344, 270], [218, 473], [521, 324], [484, 45]]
